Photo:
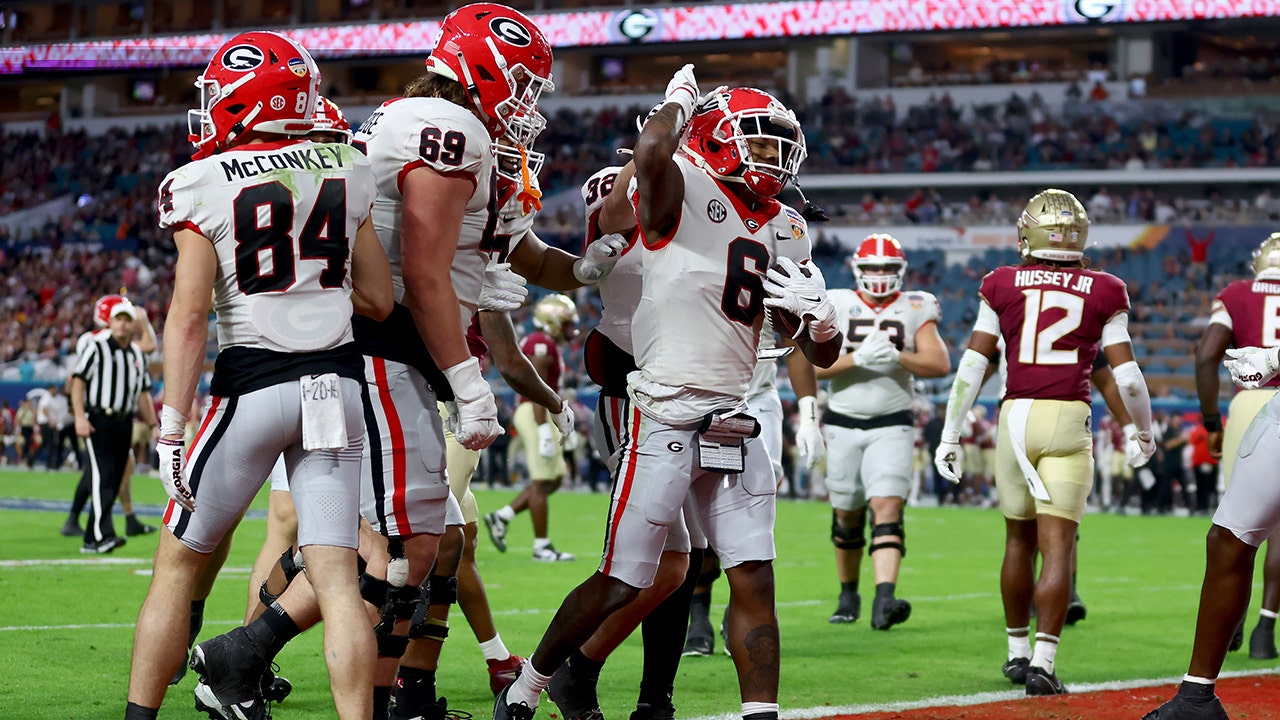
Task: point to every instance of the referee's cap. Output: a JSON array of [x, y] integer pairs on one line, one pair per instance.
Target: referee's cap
[[124, 307]]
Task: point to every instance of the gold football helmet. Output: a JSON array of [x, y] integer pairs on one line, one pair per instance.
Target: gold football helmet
[[1054, 226], [557, 316], [1266, 259]]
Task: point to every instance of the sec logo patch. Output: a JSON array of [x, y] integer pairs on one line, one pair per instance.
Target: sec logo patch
[[716, 211]]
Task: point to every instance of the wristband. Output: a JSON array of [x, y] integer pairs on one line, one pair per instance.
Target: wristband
[[172, 422], [1212, 423]]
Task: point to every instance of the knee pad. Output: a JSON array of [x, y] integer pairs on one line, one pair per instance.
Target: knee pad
[[291, 564], [889, 529], [442, 589], [853, 538], [374, 590], [391, 646]]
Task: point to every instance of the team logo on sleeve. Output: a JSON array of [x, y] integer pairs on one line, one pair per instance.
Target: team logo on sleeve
[[717, 211], [511, 31], [242, 58]]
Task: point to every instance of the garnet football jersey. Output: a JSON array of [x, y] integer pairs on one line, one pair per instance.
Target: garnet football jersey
[[540, 344], [865, 392], [282, 217], [696, 327], [1052, 319], [1250, 309]]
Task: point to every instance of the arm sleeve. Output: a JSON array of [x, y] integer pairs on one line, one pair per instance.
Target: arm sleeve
[[1116, 330], [1134, 393], [964, 391]]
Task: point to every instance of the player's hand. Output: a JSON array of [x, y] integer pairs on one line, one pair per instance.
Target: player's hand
[[877, 349], [83, 428], [683, 90], [600, 257], [173, 466], [1214, 441], [949, 460], [801, 289], [1139, 446], [809, 440], [1253, 367], [564, 421], [475, 422], [547, 445], [504, 289]]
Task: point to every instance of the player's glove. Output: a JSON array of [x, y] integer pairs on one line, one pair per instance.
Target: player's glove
[[598, 261], [683, 91], [809, 441], [547, 445], [877, 349], [564, 420], [801, 289], [949, 460], [1253, 367], [504, 289], [1138, 446], [473, 419], [173, 466]]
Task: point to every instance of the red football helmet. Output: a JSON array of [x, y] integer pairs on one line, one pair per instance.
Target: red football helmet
[[726, 126], [330, 120], [879, 251], [511, 162], [102, 309], [503, 61], [256, 81]]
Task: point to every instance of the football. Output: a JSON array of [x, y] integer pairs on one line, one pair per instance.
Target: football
[[785, 321]]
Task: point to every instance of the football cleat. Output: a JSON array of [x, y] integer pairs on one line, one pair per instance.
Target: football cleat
[[647, 711], [275, 688], [575, 696], [208, 703], [231, 667], [1076, 610], [502, 710], [71, 528], [1041, 682], [1016, 670], [1262, 643], [1182, 707], [550, 554], [497, 530], [503, 672], [889, 611], [848, 608]]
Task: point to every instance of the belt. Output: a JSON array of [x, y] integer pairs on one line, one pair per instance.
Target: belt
[[109, 413], [902, 417]]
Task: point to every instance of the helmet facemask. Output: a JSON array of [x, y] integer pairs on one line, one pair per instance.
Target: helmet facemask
[[200, 126], [879, 285], [772, 149]]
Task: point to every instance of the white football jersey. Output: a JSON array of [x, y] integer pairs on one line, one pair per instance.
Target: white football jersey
[[513, 223], [862, 392], [620, 290], [697, 325], [282, 217], [408, 133]]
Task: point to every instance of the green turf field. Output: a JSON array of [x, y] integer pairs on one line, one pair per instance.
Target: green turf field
[[66, 630]]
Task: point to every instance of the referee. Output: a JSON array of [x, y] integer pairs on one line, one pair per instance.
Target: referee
[[109, 384]]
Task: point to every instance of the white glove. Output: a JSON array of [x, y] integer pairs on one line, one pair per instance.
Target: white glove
[[1253, 367], [475, 424], [1138, 446], [802, 290], [547, 445], [564, 420], [173, 466], [598, 261], [683, 90], [504, 289], [949, 460], [809, 441], [877, 349]]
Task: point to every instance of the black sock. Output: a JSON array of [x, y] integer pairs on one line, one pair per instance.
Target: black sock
[[137, 712], [700, 608], [583, 667], [272, 630], [850, 587], [381, 702], [663, 632], [771, 715], [1196, 691], [885, 589], [1268, 623], [197, 622], [415, 689]]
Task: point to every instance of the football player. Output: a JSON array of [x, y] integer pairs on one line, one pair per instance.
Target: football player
[[1053, 315], [707, 216], [263, 238], [1249, 512], [891, 339]]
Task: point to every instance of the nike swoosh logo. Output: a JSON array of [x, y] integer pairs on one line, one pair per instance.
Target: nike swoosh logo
[[811, 298], [781, 236], [508, 218]]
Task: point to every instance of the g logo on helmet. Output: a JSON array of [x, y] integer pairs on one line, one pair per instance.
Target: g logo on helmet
[[511, 31], [242, 58]]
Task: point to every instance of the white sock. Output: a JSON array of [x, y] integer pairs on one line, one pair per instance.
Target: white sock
[[495, 649], [1019, 642], [751, 708], [541, 544], [1199, 680], [506, 513], [1267, 613], [528, 687], [1046, 651]]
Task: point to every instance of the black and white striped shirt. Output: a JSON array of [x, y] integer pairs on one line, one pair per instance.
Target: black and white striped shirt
[[114, 376]]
